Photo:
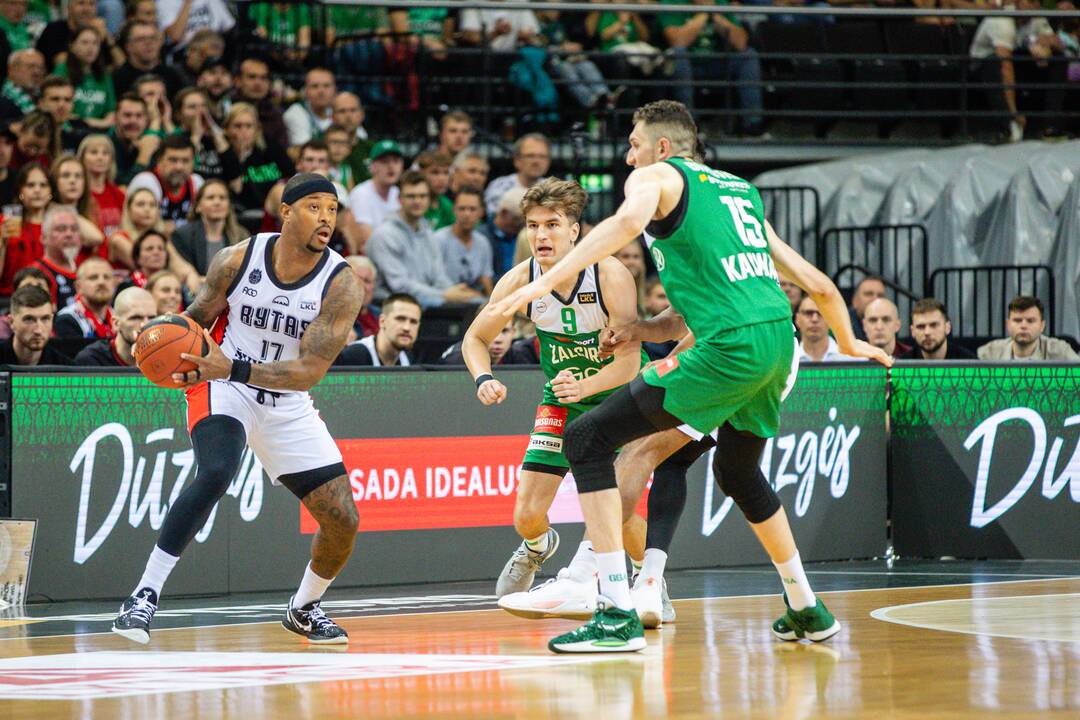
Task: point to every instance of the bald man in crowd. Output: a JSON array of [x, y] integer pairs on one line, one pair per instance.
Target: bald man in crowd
[[133, 308], [881, 323]]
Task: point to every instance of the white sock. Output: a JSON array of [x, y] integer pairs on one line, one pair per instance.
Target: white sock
[[655, 561], [538, 544], [311, 588], [613, 584], [157, 571], [583, 567], [797, 587]]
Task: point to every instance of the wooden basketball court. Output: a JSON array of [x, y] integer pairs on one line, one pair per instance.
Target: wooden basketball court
[[920, 640]]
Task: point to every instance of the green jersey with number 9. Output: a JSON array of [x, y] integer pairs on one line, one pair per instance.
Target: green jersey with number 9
[[569, 329], [712, 253]]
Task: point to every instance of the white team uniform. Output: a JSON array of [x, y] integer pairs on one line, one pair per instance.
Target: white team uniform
[[264, 322]]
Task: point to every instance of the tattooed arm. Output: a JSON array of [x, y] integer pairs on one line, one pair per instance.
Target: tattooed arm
[[213, 297], [322, 342], [319, 347]]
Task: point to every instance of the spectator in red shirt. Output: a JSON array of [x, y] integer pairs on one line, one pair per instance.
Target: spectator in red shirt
[[98, 158], [20, 238], [151, 255], [61, 242], [141, 213]]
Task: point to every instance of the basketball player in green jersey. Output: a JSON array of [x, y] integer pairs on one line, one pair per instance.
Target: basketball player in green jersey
[[568, 322], [717, 258]]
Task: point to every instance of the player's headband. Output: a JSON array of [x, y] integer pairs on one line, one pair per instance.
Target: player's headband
[[317, 184]]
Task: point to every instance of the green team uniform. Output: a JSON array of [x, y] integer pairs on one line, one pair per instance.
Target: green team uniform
[[713, 258], [569, 333]]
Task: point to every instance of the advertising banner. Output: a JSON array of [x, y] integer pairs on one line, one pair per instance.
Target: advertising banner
[[986, 460], [98, 459]]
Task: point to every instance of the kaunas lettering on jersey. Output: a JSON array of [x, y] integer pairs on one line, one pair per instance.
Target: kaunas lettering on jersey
[[267, 317], [712, 253]]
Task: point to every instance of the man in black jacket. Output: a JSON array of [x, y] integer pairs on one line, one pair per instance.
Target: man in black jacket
[[133, 308], [31, 323]]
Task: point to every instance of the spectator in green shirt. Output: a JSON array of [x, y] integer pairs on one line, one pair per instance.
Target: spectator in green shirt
[[26, 71], [365, 56], [283, 24], [13, 23], [95, 99], [436, 168], [349, 114], [695, 39]]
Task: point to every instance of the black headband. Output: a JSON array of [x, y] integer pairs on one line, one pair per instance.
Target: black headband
[[308, 187]]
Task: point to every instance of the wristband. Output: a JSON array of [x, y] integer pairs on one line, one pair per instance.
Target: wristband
[[484, 378], [240, 372]]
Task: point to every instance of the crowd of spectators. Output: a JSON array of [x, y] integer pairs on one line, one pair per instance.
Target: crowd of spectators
[[135, 143]]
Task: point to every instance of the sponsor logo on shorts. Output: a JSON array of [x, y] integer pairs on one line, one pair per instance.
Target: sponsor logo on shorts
[[586, 298], [547, 444], [250, 291], [281, 300], [550, 419], [666, 366]]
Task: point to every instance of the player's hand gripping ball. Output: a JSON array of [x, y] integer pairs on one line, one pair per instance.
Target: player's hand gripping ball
[[161, 343]]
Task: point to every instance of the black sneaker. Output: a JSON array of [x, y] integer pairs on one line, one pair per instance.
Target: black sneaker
[[311, 622], [133, 622]]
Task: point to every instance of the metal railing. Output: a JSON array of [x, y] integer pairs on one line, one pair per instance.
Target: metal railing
[[978, 298], [795, 213], [896, 253]]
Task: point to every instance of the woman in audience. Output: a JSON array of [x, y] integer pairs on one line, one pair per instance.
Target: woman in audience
[[37, 141], [261, 167], [87, 68], [97, 155], [69, 183], [142, 213], [193, 118], [211, 226], [164, 285], [151, 255], [20, 237]]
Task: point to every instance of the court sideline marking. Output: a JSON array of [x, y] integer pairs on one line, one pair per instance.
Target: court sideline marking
[[883, 614], [444, 612]]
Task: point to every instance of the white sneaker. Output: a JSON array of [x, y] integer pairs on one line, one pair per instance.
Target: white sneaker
[[559, 597], [669, 609], [647, 594]]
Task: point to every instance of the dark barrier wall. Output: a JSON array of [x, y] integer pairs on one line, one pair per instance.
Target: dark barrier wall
[[986, 461], [99, 458]]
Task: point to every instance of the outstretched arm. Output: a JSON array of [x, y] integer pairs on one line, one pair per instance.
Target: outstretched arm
[[828, 298]]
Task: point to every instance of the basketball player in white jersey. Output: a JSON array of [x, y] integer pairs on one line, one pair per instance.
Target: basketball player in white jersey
[[568, 323], [281, 307]]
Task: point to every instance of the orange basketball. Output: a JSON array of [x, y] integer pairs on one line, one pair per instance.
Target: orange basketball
[[160, 343]]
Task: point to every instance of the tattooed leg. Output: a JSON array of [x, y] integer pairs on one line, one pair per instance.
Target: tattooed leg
[[333, 507]]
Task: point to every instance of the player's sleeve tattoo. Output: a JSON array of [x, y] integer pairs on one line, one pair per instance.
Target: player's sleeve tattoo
[[213, 296]]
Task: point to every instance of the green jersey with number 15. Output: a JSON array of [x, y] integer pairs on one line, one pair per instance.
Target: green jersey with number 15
[[569, 327], [712, 253]]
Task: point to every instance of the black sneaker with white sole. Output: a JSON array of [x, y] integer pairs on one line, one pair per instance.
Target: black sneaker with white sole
[[133, 622], [311, 622]]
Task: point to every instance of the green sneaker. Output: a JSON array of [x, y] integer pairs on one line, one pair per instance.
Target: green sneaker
[[610, 630], [813, 623]]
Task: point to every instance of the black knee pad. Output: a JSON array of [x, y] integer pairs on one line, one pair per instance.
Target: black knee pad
[[591, 458], [582, 440], [748, 488]]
